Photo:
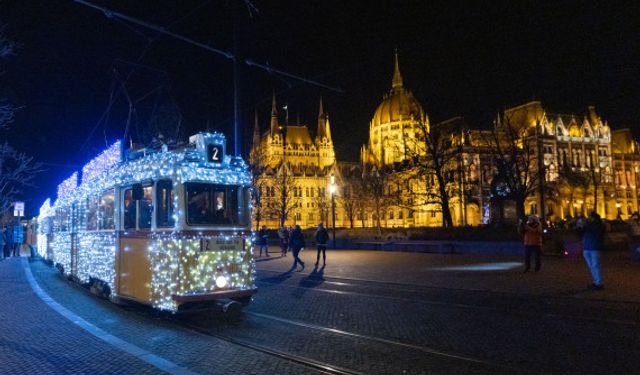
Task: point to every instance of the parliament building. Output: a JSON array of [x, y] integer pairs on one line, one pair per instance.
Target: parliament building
[[568, 165]]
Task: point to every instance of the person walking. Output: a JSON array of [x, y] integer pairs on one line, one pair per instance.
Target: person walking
[[297, 243], [290, 233], [532, 238], [322, 237], [8, 245], [18, 238], [592, 245], [283, 235], [2, 243], [263, 240]]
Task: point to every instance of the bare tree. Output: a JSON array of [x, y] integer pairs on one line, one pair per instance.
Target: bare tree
[[322, 202], [432, 162], [282, 200], [375, 182], [349, 199], [516, 157], [7, 110], [17, 170]]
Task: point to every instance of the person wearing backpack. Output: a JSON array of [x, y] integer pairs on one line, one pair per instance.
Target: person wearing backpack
[[297, 243], [322, 237]]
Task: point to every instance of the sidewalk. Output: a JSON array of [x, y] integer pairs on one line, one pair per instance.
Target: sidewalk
[[566, 277], [37, 340]]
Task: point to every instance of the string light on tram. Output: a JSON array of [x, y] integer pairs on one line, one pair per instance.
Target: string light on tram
[[177, 264]]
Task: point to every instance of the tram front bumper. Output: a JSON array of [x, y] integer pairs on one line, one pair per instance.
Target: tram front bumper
[[212, 296]]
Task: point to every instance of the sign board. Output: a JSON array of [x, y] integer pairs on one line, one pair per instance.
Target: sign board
[[215, 153], [221, 244], [18, 209]]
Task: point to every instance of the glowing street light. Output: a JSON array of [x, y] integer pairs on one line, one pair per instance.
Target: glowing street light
[[332, 189]]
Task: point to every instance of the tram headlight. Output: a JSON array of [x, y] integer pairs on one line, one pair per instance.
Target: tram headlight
[[221, 281]]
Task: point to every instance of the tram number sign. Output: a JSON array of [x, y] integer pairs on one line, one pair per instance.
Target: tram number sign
[[215, 153], [221, 244]]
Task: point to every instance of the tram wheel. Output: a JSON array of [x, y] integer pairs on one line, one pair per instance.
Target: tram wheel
[[244, 301]]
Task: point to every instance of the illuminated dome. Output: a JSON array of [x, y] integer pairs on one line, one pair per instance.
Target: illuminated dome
[[399, 104], [396, 126]]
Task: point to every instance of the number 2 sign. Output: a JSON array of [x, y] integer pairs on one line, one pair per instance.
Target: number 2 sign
[[215, 153]]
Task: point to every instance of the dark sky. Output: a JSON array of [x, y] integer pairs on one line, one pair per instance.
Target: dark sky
[[458, 59]]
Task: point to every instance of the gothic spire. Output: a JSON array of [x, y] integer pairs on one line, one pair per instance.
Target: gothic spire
[[274, 115], [256, 131], [397, 78], [322, 118]]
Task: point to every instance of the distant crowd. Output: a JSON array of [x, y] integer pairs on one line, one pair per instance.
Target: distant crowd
[[291, 240]]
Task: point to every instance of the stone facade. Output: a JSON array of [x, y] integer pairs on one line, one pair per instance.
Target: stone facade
[[577, 161]]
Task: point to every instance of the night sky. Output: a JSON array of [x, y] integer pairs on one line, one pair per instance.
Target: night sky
[[458, 59]]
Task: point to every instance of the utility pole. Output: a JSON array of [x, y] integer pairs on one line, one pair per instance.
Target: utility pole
[[541, 172], [238, 139]]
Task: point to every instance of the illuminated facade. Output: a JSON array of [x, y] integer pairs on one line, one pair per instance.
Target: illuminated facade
[[580, 163], [291, 171], [606, 162]]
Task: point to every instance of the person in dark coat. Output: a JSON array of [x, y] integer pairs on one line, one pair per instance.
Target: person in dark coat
[[297, 243], [322, 237], [2, 235], [283, 235], [592, 245], [263, 240], [8, 245]]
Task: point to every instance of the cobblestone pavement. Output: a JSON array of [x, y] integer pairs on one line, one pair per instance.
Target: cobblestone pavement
[[34, 339], [380, 313]]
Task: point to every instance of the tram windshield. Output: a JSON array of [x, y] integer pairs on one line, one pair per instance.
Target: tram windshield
[[209, 204]]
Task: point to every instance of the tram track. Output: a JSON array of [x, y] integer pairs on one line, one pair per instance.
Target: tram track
[[334, 369], [324, 368], [427, 301]]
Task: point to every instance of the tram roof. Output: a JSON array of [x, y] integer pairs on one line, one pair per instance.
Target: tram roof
[[116, 167]]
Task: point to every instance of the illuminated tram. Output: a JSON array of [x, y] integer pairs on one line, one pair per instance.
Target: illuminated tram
[[165, 228]]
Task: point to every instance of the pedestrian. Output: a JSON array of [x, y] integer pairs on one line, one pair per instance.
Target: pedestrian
[[263, 240], [283, 235], [17, 239], [322, 237], [2, 242], [592, 245], [297, 243], [290, 231], [8, 245], [532, 238]]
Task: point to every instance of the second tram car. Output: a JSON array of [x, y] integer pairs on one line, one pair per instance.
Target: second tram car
[[166, 228]]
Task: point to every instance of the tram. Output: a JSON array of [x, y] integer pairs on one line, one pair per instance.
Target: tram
[[166, 228]]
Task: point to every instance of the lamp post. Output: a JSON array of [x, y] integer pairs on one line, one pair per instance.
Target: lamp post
[[332, 189]]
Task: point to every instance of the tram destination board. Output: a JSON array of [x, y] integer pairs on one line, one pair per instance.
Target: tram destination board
[[215, 154], [221, 244]]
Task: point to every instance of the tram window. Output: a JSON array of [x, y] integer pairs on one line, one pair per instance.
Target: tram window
[[106, 210], [146, 206], [92, 213], [62, 218], [129, 210], [131, 207], [164, 201], [209, 204]]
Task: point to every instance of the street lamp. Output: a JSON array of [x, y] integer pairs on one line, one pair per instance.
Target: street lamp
[[332, 189]]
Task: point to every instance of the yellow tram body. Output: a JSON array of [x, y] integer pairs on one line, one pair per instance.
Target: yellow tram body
[[166, 228]]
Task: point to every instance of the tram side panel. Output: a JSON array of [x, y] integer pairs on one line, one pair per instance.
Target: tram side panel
[[133, 267]]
